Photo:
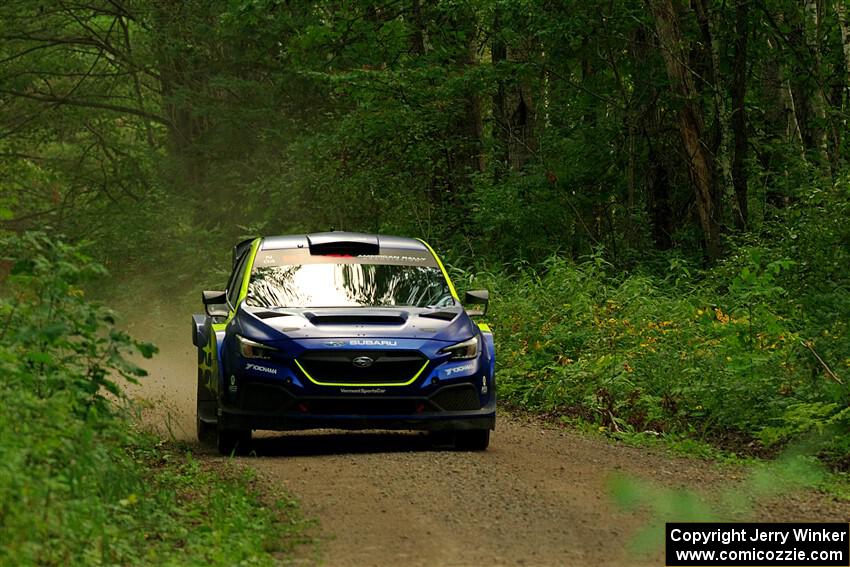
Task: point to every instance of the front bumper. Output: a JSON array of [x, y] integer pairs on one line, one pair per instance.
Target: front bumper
[[274, 407]]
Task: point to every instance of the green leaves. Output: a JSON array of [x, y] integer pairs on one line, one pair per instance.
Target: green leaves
[[57, 340], [74, 471], [709, 357], [146, 349]]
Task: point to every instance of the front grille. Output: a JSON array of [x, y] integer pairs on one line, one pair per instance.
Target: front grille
[[264, 397], [337, 366], [459, 398], [361, 406]]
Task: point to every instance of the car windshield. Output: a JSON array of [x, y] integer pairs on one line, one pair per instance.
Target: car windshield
[[330, 281]]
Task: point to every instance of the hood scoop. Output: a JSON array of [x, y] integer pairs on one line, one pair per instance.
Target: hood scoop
[[271, 314], [441, 315], [319, 319]]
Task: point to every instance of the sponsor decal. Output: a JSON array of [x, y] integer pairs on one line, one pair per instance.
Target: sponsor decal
[[362, 390], [459, 369], [232, 386], [484, 388], [394, 258], [258, 368], [372, 342], [334, 343]]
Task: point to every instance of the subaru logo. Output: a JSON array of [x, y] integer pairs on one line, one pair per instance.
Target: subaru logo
[[362, 362]]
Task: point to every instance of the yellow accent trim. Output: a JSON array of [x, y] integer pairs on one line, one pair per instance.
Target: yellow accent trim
[[442, 269], [314, 381], [212, 347], [484, 327], [246, 278]]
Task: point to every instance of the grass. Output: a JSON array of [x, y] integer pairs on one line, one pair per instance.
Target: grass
[[95, 492]]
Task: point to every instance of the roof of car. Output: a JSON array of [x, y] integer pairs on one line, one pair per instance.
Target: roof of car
[[305, 240]]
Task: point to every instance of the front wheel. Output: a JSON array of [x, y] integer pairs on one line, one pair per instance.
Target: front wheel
[[233, 441], [472, 440], [206, 431]]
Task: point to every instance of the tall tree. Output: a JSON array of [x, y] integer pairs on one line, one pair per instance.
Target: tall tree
[[844, 26], [739, 112], [691, 122], [515, 101]]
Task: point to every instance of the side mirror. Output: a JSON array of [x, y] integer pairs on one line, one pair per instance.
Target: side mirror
[[477, 297], [215, 303]]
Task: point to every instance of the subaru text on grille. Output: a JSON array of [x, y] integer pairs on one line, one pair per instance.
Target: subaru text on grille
[[342, 330]]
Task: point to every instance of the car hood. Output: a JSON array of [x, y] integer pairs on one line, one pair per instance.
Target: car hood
[[449, 324]]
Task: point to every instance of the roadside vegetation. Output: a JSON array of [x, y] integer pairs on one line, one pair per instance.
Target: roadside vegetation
[[79, 483], [747, 355]]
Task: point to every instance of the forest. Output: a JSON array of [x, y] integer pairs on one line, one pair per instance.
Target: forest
[[656, 192]]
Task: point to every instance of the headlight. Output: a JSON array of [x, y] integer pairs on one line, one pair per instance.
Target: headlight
[[465, 350], [251, 349]]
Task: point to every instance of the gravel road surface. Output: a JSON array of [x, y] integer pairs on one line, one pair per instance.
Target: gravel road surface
[[539, 496]]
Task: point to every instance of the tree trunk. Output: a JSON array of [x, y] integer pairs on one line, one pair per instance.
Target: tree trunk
[[501, 129], [465, 151], [658, 200], [817, 122], [691, 125], [418, 43], [841, 12], [725, 190], [514, 107], [648, 121], [739, 117], [174, 65]]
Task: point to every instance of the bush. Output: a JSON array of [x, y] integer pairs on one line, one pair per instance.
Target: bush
[[722, 356], [77, 484]]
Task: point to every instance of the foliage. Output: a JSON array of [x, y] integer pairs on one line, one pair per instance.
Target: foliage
[[78, 486], [54, 341], [519, 127], [735, 355]]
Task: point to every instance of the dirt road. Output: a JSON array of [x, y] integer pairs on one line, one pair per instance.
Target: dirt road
[[538, 496]]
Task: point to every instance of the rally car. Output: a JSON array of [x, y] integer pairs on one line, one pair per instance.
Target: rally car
[[346, 331]]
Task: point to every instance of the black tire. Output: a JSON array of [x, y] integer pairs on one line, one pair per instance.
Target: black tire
[[233, 441], [206, 431], [472, 440]]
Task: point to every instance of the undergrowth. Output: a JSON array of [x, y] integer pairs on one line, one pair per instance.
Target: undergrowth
[[80, 486], [748, 355]]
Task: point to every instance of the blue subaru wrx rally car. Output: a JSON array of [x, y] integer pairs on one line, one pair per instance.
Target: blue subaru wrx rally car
[[342, 330]]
